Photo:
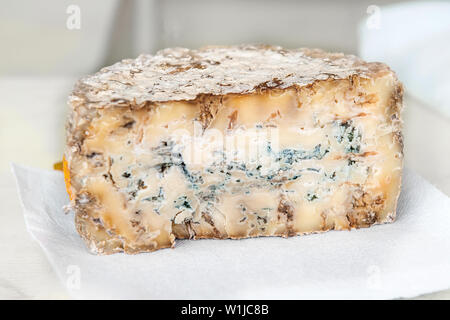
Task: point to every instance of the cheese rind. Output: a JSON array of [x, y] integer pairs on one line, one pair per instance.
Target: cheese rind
[[299, 157]]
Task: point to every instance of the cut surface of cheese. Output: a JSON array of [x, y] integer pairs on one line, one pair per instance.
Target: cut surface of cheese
[[232, 142]]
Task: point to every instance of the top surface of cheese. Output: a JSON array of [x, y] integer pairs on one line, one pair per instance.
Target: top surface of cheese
[[181, 74]]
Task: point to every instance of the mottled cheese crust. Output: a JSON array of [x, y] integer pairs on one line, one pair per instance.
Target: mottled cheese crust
[[279, 159]]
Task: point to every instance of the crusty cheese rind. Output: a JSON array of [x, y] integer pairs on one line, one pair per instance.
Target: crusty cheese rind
[[180, 74], [212, 81]]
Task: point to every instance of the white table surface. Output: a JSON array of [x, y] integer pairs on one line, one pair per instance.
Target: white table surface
[[32, 113]]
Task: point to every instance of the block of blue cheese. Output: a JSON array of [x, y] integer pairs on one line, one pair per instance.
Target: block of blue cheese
[[232, 142]]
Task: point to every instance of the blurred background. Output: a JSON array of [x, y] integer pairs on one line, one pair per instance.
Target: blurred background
[[46, 45], [40, 37]]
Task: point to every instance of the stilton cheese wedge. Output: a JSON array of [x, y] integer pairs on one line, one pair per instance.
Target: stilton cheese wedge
[[232, 142]]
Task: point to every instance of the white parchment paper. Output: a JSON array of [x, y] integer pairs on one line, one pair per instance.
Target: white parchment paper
[[404, 259]]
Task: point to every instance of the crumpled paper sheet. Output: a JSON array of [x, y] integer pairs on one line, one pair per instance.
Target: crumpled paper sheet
[[404, 259]]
